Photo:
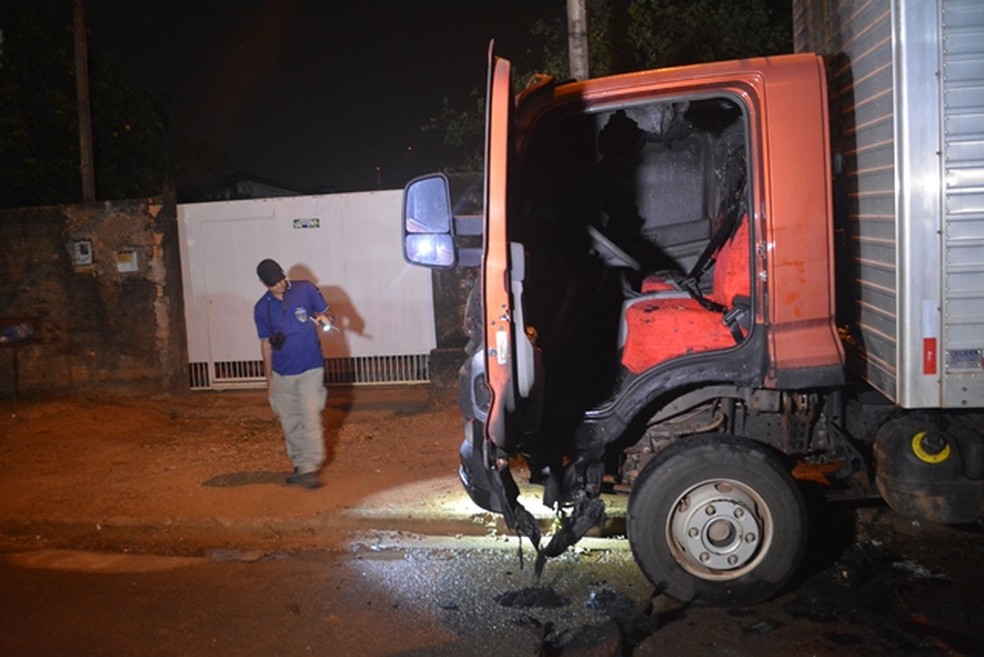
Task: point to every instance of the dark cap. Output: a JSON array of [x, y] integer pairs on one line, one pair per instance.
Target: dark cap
[[270, 272]]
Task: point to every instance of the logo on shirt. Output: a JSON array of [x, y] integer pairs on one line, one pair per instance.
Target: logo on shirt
[[301, 314]]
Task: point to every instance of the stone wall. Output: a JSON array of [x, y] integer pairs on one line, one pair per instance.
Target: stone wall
[[101, 285]]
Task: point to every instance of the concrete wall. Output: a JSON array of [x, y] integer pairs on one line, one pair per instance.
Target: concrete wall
[[102, 282]]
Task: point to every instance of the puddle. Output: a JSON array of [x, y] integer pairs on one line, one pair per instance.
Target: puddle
[[543, 597]]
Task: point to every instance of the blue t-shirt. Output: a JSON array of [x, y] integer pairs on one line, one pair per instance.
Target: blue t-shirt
[[301, 350]]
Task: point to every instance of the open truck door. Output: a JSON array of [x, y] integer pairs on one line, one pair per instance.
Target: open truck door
[[500, 378], [510, 357], [501, 374]]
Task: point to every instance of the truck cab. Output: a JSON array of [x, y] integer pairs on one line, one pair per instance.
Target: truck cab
[[654, 313]]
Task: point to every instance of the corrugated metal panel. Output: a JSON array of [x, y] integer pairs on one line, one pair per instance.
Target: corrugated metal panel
[[856, 37], [865, 85], [963, 162], [907, 126]]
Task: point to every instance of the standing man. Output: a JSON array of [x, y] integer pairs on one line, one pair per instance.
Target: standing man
[[288, 318]]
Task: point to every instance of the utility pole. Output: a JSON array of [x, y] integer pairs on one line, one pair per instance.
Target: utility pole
[[577, 38], [82, 93]]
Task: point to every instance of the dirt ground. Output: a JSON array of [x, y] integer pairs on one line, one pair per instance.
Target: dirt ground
[[110, 459], [204, 472]]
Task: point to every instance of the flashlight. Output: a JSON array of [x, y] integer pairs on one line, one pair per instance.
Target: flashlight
[[325, 328]]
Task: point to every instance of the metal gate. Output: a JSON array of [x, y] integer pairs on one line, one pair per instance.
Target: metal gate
[[347, 244]]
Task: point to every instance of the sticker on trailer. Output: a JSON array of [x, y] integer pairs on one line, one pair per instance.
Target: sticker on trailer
[[965, 359], [931, 329]]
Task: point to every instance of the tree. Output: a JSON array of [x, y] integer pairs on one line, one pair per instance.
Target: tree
[[38, 140], [634, 35], [674, 32], [462, 131], [39, 144]]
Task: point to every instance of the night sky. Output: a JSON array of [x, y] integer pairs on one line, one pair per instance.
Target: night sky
[[315, 94]]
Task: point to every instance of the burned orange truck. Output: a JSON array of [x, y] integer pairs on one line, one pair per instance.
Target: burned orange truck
[[697, 283]]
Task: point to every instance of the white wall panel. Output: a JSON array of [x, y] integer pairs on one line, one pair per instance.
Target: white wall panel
[[347, 244]]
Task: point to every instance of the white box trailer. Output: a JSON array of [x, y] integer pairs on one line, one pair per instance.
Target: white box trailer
[[906, 88]]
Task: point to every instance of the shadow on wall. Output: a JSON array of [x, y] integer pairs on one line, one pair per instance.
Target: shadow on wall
[[335, 344]]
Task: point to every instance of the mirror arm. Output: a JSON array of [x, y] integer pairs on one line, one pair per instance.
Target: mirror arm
[[468, 257], [468, 224]]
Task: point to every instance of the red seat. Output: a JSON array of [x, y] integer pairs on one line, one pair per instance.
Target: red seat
[[658, 283], [659, 327]]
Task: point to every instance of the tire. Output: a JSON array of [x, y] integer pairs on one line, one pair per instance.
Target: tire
[[717, 520]]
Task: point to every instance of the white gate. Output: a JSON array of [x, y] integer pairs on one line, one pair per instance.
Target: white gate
[[346, 244]]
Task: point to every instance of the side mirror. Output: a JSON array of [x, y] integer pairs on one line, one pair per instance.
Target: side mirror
[[429, 250], [430, 229], [428, 225]]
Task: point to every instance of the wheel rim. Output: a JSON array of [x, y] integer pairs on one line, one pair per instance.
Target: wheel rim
[[719, 529]]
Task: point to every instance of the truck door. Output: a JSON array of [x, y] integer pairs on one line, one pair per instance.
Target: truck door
[[499, 394], [509, 354]]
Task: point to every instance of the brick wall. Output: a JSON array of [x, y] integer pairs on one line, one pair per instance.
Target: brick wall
[[102, 281]]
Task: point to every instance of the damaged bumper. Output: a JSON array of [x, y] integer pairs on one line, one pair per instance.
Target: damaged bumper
[[495, 490], [486, 477], [483, 484]]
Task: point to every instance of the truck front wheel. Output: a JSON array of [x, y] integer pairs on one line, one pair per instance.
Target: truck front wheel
[[717, 520]]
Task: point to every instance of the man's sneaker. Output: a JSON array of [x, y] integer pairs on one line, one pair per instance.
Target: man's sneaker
[[308, 479]]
